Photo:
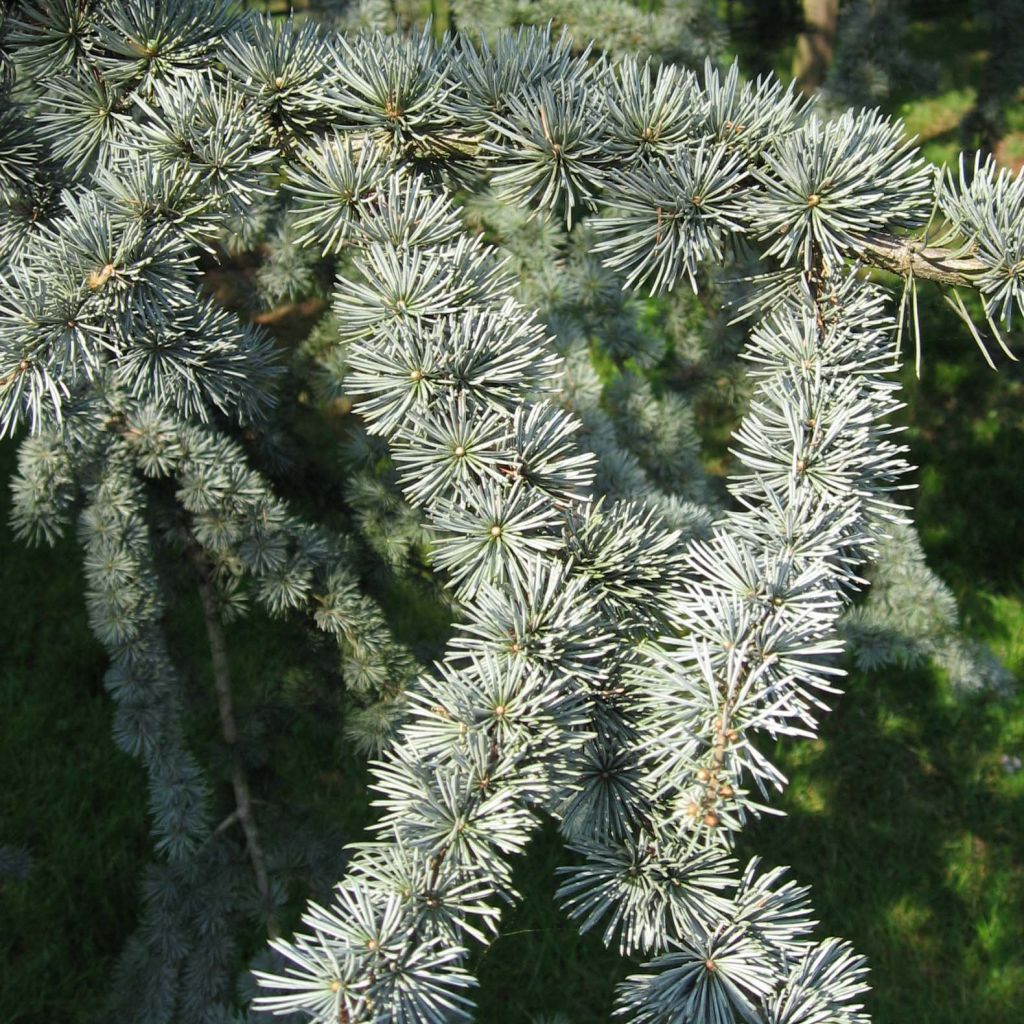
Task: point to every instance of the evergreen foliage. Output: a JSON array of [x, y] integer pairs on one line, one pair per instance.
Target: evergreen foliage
[[625, 637]]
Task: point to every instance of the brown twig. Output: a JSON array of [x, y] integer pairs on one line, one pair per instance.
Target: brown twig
[[229, 730], [910, 257], [308, 307]]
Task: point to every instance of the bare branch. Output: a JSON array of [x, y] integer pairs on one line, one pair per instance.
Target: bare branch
[[229, 729], [908, 256]]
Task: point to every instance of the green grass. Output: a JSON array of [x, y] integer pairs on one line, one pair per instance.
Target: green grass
[[904, 823], [540, 963], [68, 794]]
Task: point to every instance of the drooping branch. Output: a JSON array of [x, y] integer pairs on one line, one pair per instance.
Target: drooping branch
[[229, 730]]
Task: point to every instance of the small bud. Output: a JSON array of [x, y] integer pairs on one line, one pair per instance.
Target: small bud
[[703, 775], [495, 531], [711, 819], [726, 792], [278, 82], [813, 200], [460, 451], [98, 280]]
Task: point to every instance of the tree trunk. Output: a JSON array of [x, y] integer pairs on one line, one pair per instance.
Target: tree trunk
[[814, 45]]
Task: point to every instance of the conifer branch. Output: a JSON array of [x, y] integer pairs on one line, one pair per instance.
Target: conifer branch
[[609, 670], [229, 731], [911, 257]]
